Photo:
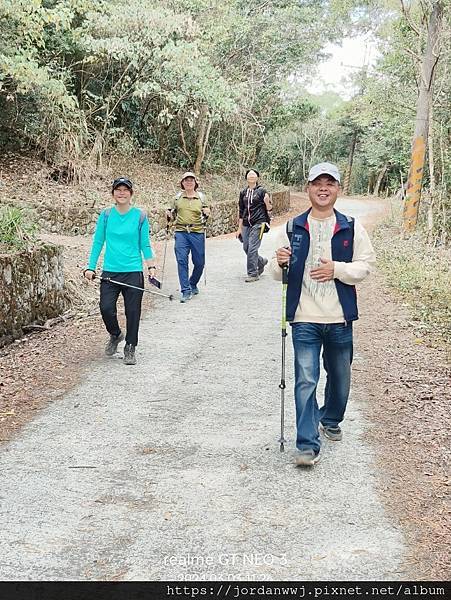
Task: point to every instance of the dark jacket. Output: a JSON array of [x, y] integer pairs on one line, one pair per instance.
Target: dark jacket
[[342, 246], [252, 206]]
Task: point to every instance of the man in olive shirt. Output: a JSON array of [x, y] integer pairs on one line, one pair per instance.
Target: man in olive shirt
[[189, 210]]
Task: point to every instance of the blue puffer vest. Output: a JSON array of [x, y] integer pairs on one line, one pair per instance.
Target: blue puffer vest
[[342, 246]]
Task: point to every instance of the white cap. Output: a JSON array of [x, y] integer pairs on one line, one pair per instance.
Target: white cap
[[324, 168]]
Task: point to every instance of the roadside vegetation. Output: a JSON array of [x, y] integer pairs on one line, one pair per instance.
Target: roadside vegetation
[[420, 275], [419, 272], [17, 230]]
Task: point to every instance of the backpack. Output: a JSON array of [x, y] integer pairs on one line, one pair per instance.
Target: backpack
[[201, 196], [142, 218]]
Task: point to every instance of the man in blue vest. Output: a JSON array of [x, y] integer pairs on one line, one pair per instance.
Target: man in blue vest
[[327, 253]]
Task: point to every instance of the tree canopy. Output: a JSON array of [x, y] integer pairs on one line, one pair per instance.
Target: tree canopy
[[218, 85], [174, 76]]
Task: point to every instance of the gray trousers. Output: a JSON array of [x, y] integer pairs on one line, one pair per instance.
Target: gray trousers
[[251, 244]]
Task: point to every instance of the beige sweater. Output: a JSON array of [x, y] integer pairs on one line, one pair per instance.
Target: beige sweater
[[319, 301]]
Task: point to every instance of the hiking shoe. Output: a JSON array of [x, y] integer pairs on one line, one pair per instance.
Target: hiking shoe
[[307, 458], [332, 433], [185, 297], [129, 355], [194, 290], [113, 343], [251, 278], [262, 268]]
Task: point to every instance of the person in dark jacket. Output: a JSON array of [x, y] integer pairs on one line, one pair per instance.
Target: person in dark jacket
[[327, 253], [254, 207]]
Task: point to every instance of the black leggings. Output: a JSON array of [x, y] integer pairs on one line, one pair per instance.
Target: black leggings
[[109, 294]]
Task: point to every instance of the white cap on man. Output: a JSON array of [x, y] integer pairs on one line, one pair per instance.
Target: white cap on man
[[324, 168]]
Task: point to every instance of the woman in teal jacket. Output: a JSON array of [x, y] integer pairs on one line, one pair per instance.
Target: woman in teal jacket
[[124, 230]]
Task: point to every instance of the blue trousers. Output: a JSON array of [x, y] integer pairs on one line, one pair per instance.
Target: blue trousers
[[184, 244], [336, 341]]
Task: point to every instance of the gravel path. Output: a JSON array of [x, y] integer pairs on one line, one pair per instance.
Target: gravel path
[[171, 469]]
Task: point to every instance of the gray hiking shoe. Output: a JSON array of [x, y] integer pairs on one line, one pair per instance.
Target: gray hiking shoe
[[262, 268], [251, 278], [332, 433], [185, 297], [113, 343], [306, 458], [129, 355]]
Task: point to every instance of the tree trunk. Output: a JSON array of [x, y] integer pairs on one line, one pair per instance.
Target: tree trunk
[[182, 137], [258, 149], [347, 179], [420, 137], [371, 183], [380, 178], [431, 174], [202, 138]]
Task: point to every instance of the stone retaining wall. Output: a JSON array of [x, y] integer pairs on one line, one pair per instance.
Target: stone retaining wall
[[81, 220], [31, 289]]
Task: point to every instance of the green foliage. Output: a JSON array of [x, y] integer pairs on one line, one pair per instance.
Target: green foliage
[[36, 96], [420, 276], [386, 113], [188, 79], [17, 231], [216, 84], [380, 119]]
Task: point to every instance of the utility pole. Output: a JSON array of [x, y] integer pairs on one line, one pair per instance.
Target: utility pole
[[420, 137]]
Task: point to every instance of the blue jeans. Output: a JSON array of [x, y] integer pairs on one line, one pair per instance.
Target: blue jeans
[[184, 244], [336, 341]]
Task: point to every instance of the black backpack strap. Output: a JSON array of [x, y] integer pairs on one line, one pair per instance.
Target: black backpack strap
[[290, 229], [177, 198], [351, 222]]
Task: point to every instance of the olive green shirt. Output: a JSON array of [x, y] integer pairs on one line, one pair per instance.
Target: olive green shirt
[[189, 212]]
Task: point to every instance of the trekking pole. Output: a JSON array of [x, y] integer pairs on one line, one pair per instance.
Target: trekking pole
[[282, 386], [165, 249], [204, 221], [170, 296]]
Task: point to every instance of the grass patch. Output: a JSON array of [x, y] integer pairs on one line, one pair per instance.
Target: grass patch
[[17, 232], [421, 276]]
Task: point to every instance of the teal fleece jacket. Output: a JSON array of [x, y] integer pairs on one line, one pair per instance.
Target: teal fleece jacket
[[124, 242]]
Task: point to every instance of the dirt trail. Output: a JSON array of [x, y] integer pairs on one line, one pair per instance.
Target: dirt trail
[[128, 473], [137, 469]]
